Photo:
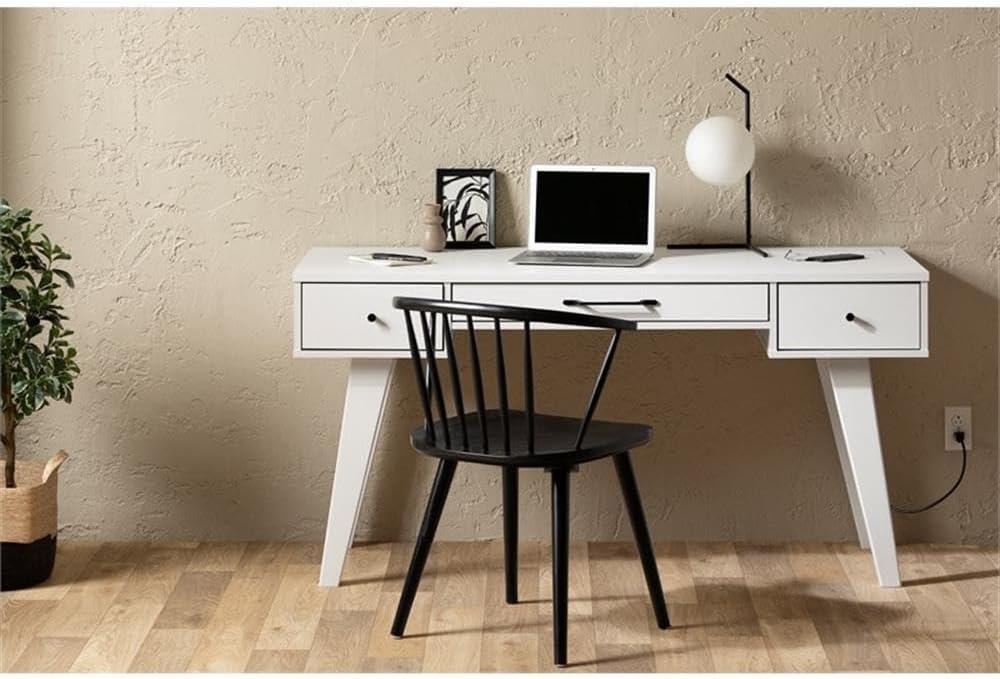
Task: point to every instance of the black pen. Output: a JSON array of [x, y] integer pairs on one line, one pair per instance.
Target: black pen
[[838, 257], [398, 257]]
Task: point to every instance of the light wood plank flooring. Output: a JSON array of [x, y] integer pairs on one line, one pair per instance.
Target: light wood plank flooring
[[816, 607]]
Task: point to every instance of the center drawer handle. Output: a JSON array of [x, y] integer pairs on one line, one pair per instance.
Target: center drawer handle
[[850, 317], [371, 318], [638, 302]]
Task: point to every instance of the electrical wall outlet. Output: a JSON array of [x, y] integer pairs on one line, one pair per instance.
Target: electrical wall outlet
[[957, 418]]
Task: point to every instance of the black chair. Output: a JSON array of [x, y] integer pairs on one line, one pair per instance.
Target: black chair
[[517, 438]]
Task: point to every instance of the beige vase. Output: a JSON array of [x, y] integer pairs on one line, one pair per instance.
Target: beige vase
[[433, 237], [29, 523]]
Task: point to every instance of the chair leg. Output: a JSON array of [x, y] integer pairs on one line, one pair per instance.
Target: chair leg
[[510, 532], [432, 516], [630, 491], [560, 563]]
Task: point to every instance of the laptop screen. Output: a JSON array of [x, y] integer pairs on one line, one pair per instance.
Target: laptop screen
[[598, 207]]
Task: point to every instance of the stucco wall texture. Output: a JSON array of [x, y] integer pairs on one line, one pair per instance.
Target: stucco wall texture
[[189, 158]]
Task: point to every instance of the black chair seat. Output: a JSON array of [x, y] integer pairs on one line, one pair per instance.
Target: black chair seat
[[555, 440]]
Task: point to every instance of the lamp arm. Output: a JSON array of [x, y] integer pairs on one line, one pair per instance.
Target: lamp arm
[[746, 98], [746, 116]]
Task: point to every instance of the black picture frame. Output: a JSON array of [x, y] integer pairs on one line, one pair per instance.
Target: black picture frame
[[464, 194]]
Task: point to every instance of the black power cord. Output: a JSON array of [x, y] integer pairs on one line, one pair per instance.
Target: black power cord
[[960, 437]]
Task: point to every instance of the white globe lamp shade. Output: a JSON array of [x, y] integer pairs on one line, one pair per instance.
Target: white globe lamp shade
[[719, 151]]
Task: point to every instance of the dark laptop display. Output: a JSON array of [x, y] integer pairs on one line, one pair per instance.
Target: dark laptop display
[[592, 207]]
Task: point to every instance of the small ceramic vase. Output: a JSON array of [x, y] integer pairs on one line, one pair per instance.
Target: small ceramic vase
[[433, 238]]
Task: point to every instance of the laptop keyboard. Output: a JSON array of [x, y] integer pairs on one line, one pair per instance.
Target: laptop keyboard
[[586, 254]]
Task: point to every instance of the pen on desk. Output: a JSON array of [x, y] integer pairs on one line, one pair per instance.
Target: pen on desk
[[398, 257], [836, 257]]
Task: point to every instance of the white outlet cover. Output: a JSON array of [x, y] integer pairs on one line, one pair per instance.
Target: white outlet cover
[[965, 412]]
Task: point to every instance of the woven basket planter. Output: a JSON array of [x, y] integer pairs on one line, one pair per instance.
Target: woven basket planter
[[29, 523]]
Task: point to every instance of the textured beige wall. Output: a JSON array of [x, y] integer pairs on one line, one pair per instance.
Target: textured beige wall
[[189, 158]]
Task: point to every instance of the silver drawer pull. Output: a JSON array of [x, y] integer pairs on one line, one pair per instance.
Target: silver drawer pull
[[637, 302]]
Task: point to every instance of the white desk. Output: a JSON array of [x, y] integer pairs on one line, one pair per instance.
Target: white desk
[[840, 314]]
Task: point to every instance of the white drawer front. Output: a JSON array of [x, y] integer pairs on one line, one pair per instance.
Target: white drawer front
[[359, 316], [699, 303], [819, 316]]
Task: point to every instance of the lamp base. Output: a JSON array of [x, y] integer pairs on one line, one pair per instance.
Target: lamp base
[[717, 246]]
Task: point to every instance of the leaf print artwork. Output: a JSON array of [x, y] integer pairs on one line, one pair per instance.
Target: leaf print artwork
[[467, 205]]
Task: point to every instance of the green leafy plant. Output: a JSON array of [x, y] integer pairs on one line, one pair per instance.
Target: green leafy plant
[[38, 364]]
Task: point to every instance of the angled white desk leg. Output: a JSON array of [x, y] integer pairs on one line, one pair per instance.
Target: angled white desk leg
[[847, 386], [367, 387], [845, 464]]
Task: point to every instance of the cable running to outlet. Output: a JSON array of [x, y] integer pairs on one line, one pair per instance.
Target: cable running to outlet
[[960, 437]]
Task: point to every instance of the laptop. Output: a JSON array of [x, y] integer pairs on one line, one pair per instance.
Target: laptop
[[591, 215]]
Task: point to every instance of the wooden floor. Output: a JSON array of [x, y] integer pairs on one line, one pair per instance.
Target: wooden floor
[[735, 607]]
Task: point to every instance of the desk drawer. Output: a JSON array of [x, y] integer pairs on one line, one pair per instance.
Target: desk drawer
[[359, 316], [848, 316], [700, 303]]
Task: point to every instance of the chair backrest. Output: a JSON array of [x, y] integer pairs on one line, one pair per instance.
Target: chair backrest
[[429, 381]]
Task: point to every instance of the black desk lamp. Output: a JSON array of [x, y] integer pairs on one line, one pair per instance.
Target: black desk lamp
[[720, 151]]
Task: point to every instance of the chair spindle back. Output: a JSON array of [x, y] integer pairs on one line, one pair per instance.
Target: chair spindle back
[[431, 389]]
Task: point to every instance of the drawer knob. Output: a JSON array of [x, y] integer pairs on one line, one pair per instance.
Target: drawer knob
[[372, 318]]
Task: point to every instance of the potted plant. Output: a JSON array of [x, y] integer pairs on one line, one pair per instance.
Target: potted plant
[[38, 366]]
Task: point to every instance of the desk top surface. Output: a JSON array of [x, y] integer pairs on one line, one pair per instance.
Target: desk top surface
[[882, 264]]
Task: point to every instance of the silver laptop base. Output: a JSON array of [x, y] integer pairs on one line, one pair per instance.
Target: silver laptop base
[[546, 258]]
